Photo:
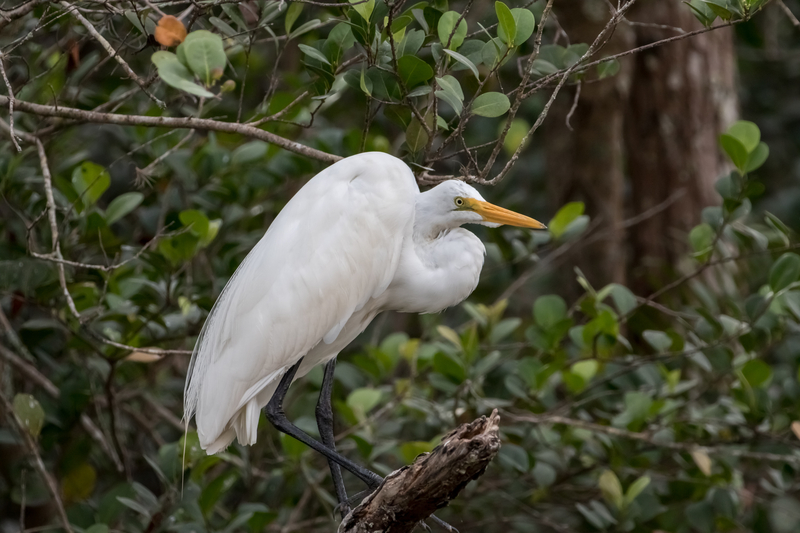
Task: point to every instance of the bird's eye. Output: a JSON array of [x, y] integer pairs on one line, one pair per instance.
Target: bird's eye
[[459, 202]]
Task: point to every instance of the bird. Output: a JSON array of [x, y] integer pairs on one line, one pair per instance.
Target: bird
[[357, 239]]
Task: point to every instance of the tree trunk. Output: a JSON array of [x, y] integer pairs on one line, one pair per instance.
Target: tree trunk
[[585, 149], [683, 96], [641, 137]]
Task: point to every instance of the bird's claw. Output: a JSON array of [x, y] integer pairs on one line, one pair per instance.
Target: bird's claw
[[442, 523]]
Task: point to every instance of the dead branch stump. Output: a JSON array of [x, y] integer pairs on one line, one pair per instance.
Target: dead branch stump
[[412, 493]]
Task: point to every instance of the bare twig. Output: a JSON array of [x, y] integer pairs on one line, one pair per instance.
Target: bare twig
[[171, 122], [574, 105], [7, 17], [10, 104], [789, 13], [51, 215], [30, 444], [649, 439], [112, 52], [34, 376]]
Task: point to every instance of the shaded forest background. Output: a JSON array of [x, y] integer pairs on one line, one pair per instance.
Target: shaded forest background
[[644, 353]]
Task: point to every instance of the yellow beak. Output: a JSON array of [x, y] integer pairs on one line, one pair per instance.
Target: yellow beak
[[499, 215]]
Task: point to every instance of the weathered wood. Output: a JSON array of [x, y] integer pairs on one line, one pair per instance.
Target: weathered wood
[[411, 494]]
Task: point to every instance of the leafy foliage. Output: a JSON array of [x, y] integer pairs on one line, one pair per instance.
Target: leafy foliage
[[621, 412]]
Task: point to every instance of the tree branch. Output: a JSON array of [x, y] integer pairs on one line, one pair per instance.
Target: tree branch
[[112, 52], [34, 376], [649, 439], [411, 494], [30, 444], [169, 122]]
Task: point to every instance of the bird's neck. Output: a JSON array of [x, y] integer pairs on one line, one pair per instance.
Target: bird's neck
[[429, 223]]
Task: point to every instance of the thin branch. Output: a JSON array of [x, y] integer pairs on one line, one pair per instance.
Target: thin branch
[[789, 13], [7, 17], [171, 122], [574, 105], [10, 104], [30, 444], [649, 439], [51, 215], [34, 376], [111, 52]]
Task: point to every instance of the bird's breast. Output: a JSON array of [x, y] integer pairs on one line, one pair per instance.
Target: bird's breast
[[435, 274]]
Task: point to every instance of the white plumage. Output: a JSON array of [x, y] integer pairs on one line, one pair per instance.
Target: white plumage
[[359, 238]]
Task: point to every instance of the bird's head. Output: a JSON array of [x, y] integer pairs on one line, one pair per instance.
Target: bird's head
[[453, 203]]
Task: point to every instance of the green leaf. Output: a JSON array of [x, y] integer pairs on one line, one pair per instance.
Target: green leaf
[[549, 310], [79, 483], [542, 67], [416, 136], [339, 41], [507, 24], [525, 23], [205, 55], [611, 488], [451, 93], [413, 70], [516, 135], [756, 372], [196, 221], [223, 26], [248, 152], [305, 28], [411, 43], [492, 52], [122, 205], [362, 400], [735, 150], [659, 340], [464, 61], [449, 365], [564, 217], [29, 413], [133, 19], [450, 335], [623, 298], [97, 528], [491, 105], [608, 69], [212, 492], [757, 157], [295, 8], [411, 450], [635, 489], [747, 133], [447, 23], [313, 52], [364, 8], [784, 271], [90, 181], [702, 12], [719, 10], [515, 457], [585, 369], [701, 237], [175, 74]]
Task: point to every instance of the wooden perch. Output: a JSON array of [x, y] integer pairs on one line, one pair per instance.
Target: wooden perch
[[411, 494]]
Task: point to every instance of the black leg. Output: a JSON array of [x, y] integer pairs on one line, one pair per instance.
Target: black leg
[[325, 425], [275, 414]]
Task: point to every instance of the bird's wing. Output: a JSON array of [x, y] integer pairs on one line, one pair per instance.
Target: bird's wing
[[334, 246]]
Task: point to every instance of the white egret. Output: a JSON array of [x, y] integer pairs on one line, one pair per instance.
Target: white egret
[[359, 238]]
